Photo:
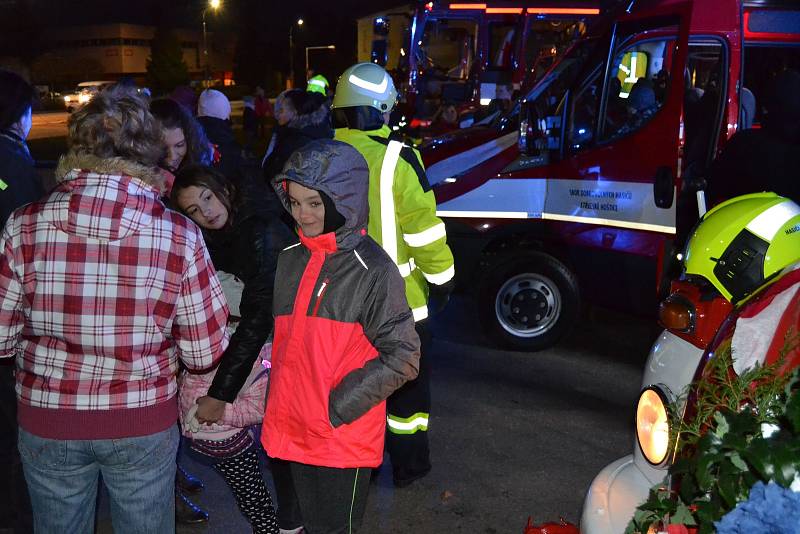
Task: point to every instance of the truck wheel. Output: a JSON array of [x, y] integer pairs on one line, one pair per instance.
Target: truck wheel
[[529, 301]]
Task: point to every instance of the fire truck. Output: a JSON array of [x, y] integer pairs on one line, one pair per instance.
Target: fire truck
[[467, 55], [587, 188]]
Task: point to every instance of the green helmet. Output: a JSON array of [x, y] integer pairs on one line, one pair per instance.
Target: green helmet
[[743, 242], [365, 84], [318, 84]]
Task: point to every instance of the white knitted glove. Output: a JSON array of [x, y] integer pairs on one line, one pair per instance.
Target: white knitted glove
[[192, 424]]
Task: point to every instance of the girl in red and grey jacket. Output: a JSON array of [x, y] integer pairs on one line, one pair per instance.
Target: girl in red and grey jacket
[[344, 341]]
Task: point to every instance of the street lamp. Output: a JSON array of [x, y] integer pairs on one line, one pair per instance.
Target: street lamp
[[214, 5], [290, 81], [326, 47]]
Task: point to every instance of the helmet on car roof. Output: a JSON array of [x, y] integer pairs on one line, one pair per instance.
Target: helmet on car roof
[[743, 242]]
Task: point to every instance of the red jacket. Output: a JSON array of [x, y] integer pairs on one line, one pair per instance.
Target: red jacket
[[344, 334]]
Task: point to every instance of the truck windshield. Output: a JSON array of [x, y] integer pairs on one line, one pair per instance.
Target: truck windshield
[[547, 94], [447, 48]]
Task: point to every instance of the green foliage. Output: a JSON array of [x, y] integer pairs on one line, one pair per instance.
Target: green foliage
[[721, 450], [166, 68]]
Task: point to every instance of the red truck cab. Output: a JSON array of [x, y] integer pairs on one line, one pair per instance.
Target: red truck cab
[[469, 55], [587, 189]]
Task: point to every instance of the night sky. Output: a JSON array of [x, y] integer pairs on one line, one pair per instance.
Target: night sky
[[262, 24]]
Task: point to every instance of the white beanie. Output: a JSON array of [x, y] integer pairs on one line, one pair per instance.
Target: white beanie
[[212, 103]]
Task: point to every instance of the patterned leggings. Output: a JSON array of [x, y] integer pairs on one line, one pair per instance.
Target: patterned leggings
[[243, 475]]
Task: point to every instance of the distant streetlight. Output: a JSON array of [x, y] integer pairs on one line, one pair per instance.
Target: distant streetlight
[[214, 5], [326, 47], [299, 23]]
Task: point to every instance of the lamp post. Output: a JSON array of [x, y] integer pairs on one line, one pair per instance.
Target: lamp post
[[214, 5], [325, 47], [290, 81]]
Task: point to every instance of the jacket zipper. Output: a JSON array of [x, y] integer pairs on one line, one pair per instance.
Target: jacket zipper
[[320, 294]]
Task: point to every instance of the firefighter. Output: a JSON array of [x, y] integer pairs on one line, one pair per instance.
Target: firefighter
[[403, 220], [318, 84]]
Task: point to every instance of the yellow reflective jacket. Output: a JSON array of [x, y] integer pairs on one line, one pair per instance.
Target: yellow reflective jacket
[[402, 214]]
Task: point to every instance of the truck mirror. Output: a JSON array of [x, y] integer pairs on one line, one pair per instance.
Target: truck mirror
[[529, 131], [663, 188], [380, 52]]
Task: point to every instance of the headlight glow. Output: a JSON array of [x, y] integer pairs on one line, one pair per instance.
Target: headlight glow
[[84, 98], [652, 425]]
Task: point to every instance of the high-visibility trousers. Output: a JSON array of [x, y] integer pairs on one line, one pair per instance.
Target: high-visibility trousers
[[408, 411]]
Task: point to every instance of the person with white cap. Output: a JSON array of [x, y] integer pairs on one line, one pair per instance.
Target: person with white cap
[[214, 114]]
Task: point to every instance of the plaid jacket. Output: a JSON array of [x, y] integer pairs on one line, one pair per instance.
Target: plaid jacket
[[102, 291]]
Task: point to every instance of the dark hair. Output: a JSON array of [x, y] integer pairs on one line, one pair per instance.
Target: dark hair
[[16, 96], [171, 114], [208, 177], [303, 102], [117, 123]]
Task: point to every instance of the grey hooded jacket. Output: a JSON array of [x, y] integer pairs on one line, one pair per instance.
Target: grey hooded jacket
[[344, 334]]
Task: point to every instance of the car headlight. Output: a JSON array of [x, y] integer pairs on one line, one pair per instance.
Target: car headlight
[[84, 98], [66, 99], [652, 425]]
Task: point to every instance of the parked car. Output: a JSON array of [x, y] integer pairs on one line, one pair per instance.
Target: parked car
[[84, 92]]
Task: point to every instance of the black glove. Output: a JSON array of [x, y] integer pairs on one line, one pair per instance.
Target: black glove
[[438, 296]]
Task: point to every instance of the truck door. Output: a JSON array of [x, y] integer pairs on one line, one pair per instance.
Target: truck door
[[621, 138]]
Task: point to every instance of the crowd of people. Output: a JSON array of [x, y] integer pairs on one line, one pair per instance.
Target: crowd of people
[[174, 292]]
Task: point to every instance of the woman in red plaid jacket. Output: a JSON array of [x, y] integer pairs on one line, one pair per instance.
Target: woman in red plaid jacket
[[102, 291]]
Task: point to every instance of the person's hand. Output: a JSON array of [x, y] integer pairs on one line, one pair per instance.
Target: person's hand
[[209, 410], [439, 296]]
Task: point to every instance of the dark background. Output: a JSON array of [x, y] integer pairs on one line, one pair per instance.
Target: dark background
[[260, 28]]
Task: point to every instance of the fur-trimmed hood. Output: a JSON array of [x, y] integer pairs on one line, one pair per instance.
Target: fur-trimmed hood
[[76, 161], [320, 117], [104, 198]]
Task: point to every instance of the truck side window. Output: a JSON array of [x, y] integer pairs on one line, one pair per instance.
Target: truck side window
[[637, 85], [762, 63], [583, 116]]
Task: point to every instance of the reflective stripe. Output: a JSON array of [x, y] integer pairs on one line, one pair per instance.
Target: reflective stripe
[[388, 223], [407, 425], [610, 222], [442, 277], [362, 261], [318, 83], [369, 86], [407, 268], [767, 224], [292, 246], [420, 313], [481, 214], [426, 237]]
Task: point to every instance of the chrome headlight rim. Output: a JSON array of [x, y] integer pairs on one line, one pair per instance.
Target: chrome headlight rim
[[662, 392]]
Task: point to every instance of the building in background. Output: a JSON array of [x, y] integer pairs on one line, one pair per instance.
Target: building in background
[[111, 51]]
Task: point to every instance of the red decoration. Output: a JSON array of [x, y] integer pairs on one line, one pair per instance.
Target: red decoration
[[562, 527]]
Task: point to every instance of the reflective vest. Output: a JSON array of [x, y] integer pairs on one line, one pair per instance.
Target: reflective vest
[[402, 214]]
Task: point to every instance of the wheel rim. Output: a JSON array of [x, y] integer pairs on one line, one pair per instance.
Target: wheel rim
[[528, 305]]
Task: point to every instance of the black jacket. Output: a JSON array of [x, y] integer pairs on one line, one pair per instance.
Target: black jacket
[[290, 138], [752, 161], [248, 249], [20, 181], [220, 133]]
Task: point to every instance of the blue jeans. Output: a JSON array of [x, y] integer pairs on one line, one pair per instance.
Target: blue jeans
[[139, 473]]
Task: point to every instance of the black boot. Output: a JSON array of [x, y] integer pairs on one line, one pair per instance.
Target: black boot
[[187, 483], [187, 512]]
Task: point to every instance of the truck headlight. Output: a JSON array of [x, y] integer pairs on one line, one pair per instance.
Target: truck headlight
[[652, 425]]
